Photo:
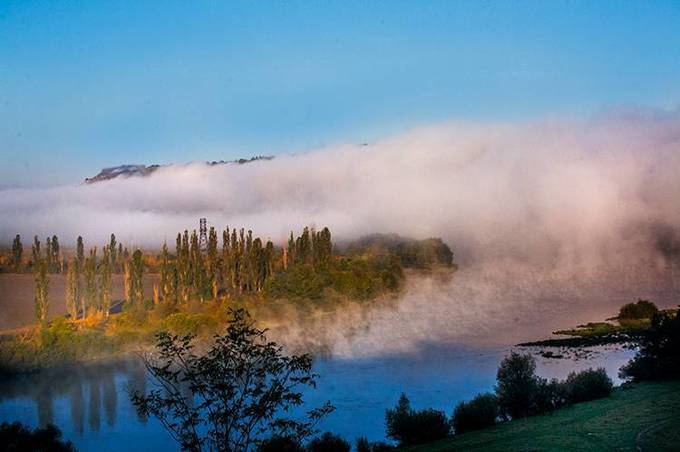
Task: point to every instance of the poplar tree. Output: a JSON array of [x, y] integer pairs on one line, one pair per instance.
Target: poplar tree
[[91, 292], [72, 289], [55, 256], [35, 252], [167, 276], [127, 282], [136, 289], [80, 254], [48, 254], [17, 253], [42, 282], [105, 281], [113, 253], [212, 263]]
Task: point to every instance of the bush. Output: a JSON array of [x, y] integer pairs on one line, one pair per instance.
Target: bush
[[280, 444], [643, 309], [411, 427], [549, 395], [516, 385], [16, 437], [659, 353], [364, 446], [587, 385], [480, 412], [328, 442]]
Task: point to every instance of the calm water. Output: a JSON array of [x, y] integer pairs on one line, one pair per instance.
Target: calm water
[[90, 404]]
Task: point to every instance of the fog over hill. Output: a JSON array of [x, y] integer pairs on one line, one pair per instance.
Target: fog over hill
[[546, 218], [554, 191]]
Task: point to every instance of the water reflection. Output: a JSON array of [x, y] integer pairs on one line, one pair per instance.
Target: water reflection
[[91, 403], [96, 382]]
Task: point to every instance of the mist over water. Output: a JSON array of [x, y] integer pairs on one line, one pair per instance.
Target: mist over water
[[552, 222]]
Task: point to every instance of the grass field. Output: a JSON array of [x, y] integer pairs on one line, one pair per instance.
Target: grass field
[[644, 416]]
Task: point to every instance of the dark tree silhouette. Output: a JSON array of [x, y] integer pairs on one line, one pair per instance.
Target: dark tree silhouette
[[230, 398]]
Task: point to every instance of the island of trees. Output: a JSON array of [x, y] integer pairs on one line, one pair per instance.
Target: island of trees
[[193, 283]]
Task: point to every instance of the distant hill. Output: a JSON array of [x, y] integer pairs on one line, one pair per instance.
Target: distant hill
[[126, 171]]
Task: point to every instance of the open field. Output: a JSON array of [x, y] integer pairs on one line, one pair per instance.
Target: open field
[[645, 416], [16, 297]]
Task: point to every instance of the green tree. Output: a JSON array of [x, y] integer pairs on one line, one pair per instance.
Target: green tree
[[517, 385], [105, 267], [72, 289], [42, 282], [80, 254], [91, 287], [242, 388], [17, 253], [411, 427], [136, 288], [113, 253], [55, 256]]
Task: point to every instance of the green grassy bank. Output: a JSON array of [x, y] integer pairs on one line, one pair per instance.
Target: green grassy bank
[[643, 416]]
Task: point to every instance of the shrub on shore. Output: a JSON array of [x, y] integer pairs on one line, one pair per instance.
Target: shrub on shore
[[328, 442], [643, 309], [587, 385], [17, 437], [478, 413], [410, 427]]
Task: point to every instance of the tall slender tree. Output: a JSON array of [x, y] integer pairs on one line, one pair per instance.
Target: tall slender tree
[[80, 254], [72, 289], [113, 253], [105, 267], [91, 287], [55, 255], [17, 253], [136, 289], [167, 276], [42, 282]]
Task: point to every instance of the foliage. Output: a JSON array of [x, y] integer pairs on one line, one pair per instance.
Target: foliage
[[183, 323], [134, 268], [587, 385], [17, 253], [280, 444], [328, 442], [42, 283], [363, 445], [241, 389], [659, 354], [91, 288], [643, 309], [637, 417], [71, 293], [17, 437], [548, 396], [57, 344], [516, 385], [356, 277], [423, 254], [410, 427], [480, 412]]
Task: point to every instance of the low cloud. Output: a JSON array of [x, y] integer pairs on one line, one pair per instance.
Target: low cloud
[[562, 191], [544, 217]]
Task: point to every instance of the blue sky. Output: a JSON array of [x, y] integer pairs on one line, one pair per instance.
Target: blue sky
[[88, 84]]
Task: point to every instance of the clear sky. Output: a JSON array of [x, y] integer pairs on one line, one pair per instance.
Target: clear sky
[[88, 84]]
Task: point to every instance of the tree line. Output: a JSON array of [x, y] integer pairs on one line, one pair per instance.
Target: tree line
[[241, 264], [88, 278], [55, 260]]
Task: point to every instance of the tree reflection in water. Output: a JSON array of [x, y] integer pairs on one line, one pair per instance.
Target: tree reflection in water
[[96, 381]]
